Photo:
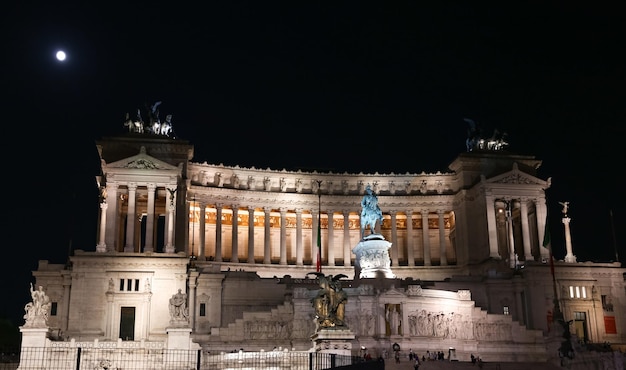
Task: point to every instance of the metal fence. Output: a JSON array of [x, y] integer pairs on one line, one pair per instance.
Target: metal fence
[[92, 358]]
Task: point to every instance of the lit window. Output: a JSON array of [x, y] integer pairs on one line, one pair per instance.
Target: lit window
[[505, 310], [578, 292]]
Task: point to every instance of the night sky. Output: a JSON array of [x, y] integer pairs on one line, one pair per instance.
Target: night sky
[[350, 86]]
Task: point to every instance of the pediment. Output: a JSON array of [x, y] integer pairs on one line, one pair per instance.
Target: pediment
[[393, 292], [141, 161], [515, 176]]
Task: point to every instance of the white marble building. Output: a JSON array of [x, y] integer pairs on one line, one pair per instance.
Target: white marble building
[[239, 242]]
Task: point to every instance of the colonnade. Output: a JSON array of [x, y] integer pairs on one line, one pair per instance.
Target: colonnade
[[340, 233], [421, 237], [509, 225], [122, 209]]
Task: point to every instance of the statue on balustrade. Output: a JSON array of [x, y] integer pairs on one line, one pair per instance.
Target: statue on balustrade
[[38, 310]]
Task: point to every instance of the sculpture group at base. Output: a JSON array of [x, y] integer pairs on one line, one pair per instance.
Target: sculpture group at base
[[329, 302]]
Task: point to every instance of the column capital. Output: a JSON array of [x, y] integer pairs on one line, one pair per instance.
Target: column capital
[[267, 210], [441, 212], [393, 212], [425, 212], [132, 186]]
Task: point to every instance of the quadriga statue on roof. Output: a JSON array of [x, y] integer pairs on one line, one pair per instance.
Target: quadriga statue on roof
[[154, 125]]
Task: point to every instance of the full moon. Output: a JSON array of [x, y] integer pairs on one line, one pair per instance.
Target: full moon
[[61, 55]]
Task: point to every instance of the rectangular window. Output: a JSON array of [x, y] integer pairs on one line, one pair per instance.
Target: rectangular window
[[202, 309], [53, 309], [129, 285], [121, 285], [571, 291], [505, 310], [136, 285], [609, 325]]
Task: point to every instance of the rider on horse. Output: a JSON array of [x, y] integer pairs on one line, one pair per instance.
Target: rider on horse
[[370, 211]]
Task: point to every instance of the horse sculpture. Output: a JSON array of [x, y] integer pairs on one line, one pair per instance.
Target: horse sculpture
[[370, 212]]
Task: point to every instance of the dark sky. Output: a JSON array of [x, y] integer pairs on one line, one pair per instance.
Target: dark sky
[[348, 86]]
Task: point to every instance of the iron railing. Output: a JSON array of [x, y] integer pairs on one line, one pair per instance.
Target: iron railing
[[95, 358]]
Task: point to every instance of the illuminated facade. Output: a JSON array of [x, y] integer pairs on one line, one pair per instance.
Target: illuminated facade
[[471, 272]]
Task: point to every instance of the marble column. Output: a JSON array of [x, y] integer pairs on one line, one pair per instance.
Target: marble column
[[235, 234], [131, 218], [202, 232], [528, 256], [511, 237], [112, 216], [331, 238], [171, 211], [102, 247], [192, 283], [542, 216], [346, 238], [267, 251], [314, 234], [410, 252], [299, 246], [426, 238], [283, 236], [250, 234], [492, 227], [443, 259], [149, 247], [218, 232], [569, 256], [394, 237]]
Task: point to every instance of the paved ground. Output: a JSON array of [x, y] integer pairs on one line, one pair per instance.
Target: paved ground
[[405, 364]]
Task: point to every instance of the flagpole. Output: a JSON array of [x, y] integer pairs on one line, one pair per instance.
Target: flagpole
[[613, 234], [319, 226], [566, 349]]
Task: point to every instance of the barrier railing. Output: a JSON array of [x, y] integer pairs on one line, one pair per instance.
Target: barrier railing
[[99, 358]]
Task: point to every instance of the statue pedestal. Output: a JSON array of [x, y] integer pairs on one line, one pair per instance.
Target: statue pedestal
[[372, 257], [337, 341], [34, 337], [179, 338], [34, 343]]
